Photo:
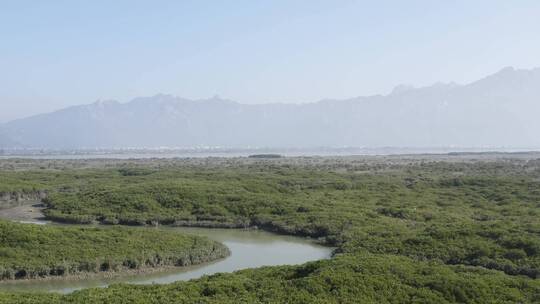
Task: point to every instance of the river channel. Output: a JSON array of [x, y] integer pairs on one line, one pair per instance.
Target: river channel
[[249, 249]]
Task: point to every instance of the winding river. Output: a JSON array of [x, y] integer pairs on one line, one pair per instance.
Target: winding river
[[249, 248]]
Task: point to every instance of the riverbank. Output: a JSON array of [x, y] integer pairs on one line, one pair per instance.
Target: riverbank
[[42, 251], [122, 272]]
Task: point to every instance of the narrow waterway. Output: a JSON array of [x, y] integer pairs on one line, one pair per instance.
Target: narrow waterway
[[249, 249]]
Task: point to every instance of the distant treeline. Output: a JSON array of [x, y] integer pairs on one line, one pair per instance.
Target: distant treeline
[[265, 156]]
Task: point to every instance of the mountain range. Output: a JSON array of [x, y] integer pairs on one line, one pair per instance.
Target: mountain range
[[501, 110]]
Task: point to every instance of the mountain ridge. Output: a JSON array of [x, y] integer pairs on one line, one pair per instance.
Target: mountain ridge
[[497, 110]]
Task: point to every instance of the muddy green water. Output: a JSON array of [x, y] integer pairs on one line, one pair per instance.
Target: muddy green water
[[249, 248]]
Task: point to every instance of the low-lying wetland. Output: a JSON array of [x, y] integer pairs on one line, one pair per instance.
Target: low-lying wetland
[[444, 229]]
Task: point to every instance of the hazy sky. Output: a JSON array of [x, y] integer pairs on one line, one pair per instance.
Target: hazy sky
[[59, 53]]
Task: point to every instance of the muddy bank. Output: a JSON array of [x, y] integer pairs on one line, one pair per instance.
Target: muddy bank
[[91, 275], [217, 253], [23, 206], [30, 212], [13, 199]]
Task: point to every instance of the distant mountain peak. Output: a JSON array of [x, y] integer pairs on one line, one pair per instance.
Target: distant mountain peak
[[402, 88], [509, 77], [438, 86], [507, 69], [505, 73], [106, 102], [218, 99]]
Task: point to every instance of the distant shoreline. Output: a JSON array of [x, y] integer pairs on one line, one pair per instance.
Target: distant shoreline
[[229, 153]]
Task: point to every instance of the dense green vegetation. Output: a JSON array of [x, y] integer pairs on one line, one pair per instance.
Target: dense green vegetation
[[37, 251], [407, 230], [426, 212]]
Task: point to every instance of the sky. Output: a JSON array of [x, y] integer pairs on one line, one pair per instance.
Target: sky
[[55, 54]]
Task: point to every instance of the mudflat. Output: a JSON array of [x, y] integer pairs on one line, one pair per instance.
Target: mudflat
[[24, 213]]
